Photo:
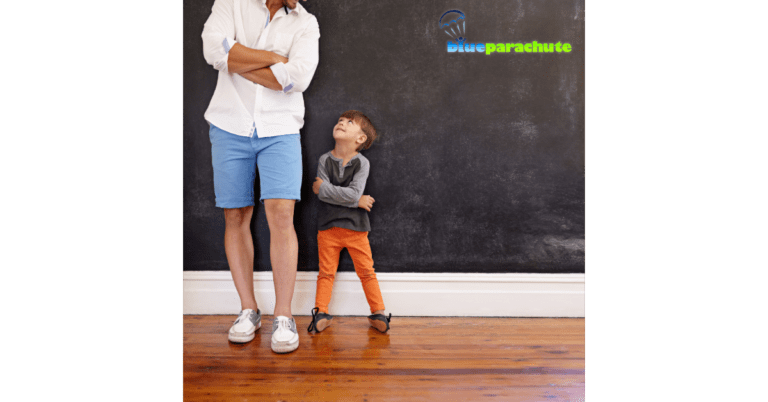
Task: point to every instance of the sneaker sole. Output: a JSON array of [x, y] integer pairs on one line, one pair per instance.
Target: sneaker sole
[[379, 325], [323, 324], [243, 337], [285, 347]]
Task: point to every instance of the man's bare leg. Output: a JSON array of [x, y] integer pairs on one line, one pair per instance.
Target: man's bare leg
[[283, 252], [238, 244]]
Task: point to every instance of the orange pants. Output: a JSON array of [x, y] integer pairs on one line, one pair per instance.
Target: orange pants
[[330, 242]]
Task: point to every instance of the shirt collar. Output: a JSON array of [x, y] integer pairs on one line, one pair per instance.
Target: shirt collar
[[341, 160], [298, 10]]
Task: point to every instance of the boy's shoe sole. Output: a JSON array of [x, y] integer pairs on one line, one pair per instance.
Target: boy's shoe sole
[[323, 324], [380, 322], [380, 326], [286, 347], [244, 337]]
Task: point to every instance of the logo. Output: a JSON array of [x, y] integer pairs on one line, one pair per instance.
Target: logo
[[454, 23]]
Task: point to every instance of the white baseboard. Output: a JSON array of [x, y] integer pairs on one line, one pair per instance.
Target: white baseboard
[[405, 294]]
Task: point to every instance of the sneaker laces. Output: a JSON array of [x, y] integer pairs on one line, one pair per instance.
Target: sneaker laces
[[285, 324], [243, 315], [389, 319], [312, 326]]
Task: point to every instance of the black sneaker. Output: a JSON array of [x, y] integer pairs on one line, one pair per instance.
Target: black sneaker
[[320, 321], [380, 322]]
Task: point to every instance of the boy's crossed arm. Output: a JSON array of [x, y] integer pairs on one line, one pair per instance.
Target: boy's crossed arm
[[366, 202], [350, 197]]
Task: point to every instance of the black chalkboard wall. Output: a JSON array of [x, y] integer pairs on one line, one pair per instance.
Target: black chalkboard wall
[[480, 162]]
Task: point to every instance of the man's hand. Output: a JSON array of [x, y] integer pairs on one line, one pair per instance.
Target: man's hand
[[280, 59], [316, 185], [366, 202], [242, 59]]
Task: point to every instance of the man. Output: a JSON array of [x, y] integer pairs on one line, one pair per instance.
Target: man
[[266, 52]]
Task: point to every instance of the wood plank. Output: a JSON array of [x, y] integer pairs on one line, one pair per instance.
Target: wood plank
[[419, 359]]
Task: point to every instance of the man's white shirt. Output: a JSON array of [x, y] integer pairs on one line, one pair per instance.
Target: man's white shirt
[[240, 106]]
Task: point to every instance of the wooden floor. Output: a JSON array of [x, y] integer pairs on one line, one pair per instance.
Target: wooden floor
[[419, 359]]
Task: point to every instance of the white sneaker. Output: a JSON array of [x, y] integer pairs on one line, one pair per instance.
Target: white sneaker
[[245, 326], [285, 338]]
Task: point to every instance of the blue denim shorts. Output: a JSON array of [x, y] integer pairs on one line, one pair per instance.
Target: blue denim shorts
[[234, 167]]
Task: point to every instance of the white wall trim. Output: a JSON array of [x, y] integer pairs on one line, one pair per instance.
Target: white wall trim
[[405, 294]]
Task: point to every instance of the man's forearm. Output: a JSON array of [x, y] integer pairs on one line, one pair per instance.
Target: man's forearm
[[242, 59], [264, 77]]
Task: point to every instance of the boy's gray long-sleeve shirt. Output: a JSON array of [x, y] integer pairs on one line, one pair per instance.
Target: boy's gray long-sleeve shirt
[[340, 192]]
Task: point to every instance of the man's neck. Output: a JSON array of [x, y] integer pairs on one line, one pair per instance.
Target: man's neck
[[274, 6]]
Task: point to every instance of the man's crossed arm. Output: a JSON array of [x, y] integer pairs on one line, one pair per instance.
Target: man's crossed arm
[[262, 67], [254, 64]]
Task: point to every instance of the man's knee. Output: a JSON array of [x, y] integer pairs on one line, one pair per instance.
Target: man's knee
[[279, 213], [238, 216]]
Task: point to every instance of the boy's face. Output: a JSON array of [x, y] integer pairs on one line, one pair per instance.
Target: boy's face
[[347, 130]]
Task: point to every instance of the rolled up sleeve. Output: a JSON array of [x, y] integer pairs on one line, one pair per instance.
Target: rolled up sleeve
[[282, 76], [303, 57], [218, 34]]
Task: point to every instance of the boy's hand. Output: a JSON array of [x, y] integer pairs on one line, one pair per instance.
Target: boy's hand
[[316, 185], [366, 202]]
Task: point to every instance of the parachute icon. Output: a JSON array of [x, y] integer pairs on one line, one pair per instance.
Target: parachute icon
[[453, 22]]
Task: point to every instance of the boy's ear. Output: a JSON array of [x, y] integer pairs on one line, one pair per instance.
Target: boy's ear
[[361, 139]]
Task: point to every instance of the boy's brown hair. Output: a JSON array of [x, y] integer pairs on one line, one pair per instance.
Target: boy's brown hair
[[365, 124]]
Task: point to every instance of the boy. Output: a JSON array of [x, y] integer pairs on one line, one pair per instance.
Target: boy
[[343, 220]]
